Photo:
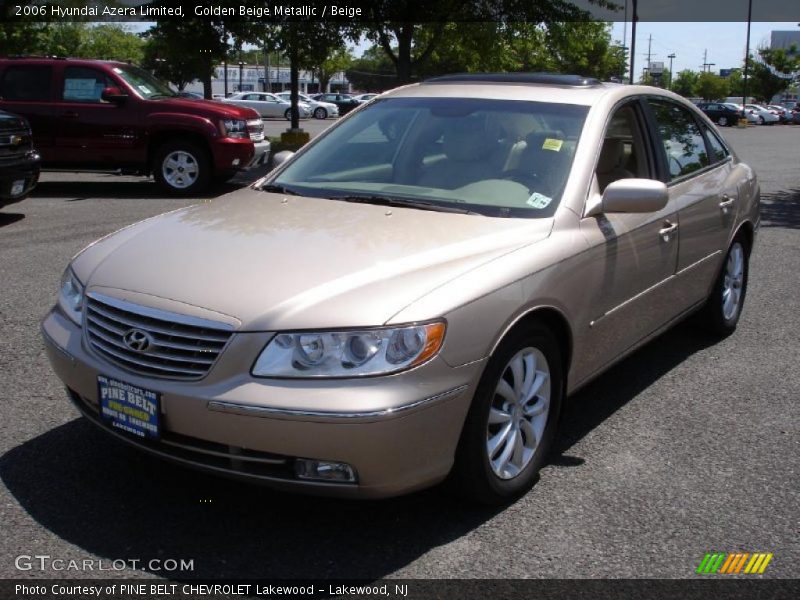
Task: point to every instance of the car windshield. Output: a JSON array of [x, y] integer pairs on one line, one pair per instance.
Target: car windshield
[[144, 83], [503, 158]]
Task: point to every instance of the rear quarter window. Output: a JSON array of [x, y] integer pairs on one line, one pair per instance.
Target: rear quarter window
[[31, 83]]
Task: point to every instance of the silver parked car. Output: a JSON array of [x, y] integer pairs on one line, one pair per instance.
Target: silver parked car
[[267, 105], [320, 110], [412, 295]]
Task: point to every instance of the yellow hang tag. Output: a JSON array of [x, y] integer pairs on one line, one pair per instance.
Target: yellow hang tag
[[551, 144]]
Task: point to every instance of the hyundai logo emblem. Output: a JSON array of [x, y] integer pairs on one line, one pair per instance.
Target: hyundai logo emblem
[[138, 340]]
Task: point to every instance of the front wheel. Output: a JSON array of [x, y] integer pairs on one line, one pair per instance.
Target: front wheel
[[288, 114], [182, 168], [723, 121], [320, 113], [513, 418], [724, 306], [761, 120]]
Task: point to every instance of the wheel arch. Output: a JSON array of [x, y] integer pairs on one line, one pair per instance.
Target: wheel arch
[[552, 318]]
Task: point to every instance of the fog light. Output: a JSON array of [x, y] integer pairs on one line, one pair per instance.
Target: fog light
[[324, 470], [235, 162]]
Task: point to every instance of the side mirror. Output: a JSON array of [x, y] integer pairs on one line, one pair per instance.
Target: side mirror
[[634, 196], [113, 95], [281, 157]]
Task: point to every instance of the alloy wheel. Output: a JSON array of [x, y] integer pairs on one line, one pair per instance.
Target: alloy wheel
[[518, 413], [733, 282], [180, 169]]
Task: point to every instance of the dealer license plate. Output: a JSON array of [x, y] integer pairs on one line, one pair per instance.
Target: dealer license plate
[[129, 408]]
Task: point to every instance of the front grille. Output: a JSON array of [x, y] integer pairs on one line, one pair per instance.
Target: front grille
[[179, 347], [255, 128]]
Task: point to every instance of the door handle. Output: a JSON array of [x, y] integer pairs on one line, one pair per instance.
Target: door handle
[[726, 202], [668, 229], [70, 115]]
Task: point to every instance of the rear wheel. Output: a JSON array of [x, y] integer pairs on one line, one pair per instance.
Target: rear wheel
[[513, 418], [182, 168], [760, 119], [288, 114], [722, 310], [320, 113], [723, 121]]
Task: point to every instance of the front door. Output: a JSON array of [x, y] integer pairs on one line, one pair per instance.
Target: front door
[[91, 132]]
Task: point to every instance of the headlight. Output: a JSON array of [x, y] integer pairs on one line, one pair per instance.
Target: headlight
[[70, 298], [233, 128], [349, 353]]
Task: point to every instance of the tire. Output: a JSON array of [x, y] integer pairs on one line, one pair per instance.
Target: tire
[[723, 122], [320, 113], [182, 168], [288, 114], [722, 310], [760, 120], [480, 472]]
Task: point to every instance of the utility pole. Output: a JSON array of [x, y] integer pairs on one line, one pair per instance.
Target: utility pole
[[706, 65], [747, 57], [649, 44], [670, 57], [633, 33]]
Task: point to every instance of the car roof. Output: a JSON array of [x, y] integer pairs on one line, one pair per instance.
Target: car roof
[[553, 89], [51, 59]]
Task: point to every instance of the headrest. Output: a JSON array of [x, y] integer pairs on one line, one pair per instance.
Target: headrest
[[611, 155], [467, 141]]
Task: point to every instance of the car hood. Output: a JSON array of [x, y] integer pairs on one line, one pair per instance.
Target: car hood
[[278, 263], [207, 108]]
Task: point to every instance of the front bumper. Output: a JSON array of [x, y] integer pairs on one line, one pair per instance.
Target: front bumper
[[26, 170], [261, 155], [402, 438]]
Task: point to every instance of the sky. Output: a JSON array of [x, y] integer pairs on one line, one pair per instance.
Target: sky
[[725, 42]]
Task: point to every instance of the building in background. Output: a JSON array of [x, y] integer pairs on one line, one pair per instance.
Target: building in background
[[785, 40], [253, 79]]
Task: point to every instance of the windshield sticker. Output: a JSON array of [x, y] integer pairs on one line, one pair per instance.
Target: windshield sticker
[[144, 89], [538, 200], [551, 144]]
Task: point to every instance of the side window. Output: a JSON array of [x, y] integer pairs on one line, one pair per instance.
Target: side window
[[31, 83], [716, 149], [82, 84], [623, 154], [683, 141]]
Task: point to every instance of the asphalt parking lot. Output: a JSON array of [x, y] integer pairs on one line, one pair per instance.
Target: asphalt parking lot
[[688, 446]]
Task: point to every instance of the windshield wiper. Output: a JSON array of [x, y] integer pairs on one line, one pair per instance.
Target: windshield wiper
[[154, 96], [406, 203], [278, 189]]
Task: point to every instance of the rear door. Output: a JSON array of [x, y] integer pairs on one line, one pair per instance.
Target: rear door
[[27, 90], [702, 186]]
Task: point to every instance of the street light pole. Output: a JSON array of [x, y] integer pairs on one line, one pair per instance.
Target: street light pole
[[747, 58], [633, 35], [670, 57]]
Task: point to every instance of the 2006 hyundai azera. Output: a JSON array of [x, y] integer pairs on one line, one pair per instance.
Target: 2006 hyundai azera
[[412, 295]]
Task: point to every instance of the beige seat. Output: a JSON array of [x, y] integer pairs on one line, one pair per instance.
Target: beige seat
[[610, 165], [466, 150]]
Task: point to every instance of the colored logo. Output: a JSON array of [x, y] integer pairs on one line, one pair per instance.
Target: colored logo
[[732, 563]]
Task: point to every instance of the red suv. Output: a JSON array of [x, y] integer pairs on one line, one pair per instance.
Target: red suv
[[92, 115]]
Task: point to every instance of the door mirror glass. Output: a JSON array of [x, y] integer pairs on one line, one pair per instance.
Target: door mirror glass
[[634, 196], [281, 157]]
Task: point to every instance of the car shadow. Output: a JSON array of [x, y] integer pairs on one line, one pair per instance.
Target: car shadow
[[116, 503], [781, 209], [10, 218]]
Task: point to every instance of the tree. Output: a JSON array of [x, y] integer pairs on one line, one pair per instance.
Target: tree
[[711, 87], [685, 82], [166, 54], [112, 41], [372, 72], [339, 60], [409, 31], [771, 72]]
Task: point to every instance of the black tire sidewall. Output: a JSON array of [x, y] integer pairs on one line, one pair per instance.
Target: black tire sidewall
[[201, 157], [472, 472]]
